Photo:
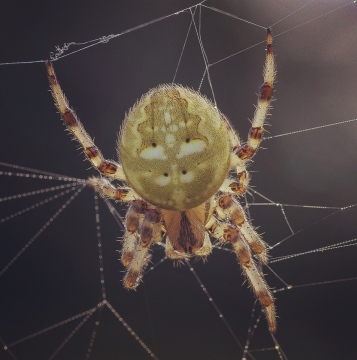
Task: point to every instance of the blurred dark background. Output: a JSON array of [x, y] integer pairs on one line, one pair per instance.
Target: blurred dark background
[[58, 275]]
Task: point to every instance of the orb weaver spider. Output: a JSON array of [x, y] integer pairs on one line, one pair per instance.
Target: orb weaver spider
[[176, 150]]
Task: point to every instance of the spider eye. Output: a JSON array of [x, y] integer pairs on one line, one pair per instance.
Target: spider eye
[[166, 174], [184, 172], [153, 144], [188, 140]]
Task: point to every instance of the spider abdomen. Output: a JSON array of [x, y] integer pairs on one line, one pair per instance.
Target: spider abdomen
[[174, 148]]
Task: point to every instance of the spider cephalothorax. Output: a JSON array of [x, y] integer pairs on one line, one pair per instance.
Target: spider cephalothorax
[[176, 151]]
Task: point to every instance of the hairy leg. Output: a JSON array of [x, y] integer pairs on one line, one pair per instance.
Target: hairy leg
[[106, 167], [247, 151], [226, 232]]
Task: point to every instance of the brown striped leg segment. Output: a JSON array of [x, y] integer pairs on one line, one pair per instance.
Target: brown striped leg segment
[[247, 151], [130, 243], [224, 232], [106, 167], [255, 277], [134, 217], [108, 190], [149, 232], [241, 186], [236, 187], [234, 211]]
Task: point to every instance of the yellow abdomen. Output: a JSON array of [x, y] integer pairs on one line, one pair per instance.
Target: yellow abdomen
[[174, 148]]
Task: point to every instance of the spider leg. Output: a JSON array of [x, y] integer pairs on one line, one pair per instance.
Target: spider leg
[[236, 163], [224, 232], [247, 151], [106, 189], [106, 167], [149, 232], [233, 210], [133, 220], [233, 187], [240, 154]]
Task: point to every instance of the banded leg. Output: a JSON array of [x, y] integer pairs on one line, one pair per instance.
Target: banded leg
[[236, 163], [231, 208], [226, 233], [240, 154], [106, 167], [247, 151], [107, 189], [134, 217], [149, 232], [233, 187]]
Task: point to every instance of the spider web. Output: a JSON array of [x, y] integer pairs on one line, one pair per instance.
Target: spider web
[[60, 277]]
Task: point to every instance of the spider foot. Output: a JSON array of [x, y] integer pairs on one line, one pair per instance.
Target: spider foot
[[135, 270]]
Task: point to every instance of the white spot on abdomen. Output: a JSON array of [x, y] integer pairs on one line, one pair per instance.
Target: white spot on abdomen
[[187, 178], [163, 180], [172, 128], [167, 118], [192, 147], [152, 153], [170, 139]]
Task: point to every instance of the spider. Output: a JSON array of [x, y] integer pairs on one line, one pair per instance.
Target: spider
[[176, 151]]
